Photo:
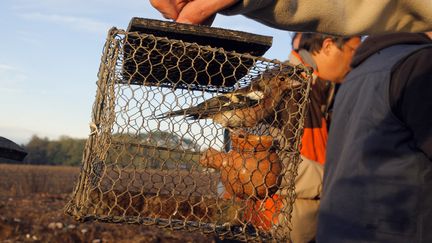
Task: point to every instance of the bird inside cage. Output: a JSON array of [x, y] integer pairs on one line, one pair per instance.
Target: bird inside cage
[[251, 168], [244, 107]]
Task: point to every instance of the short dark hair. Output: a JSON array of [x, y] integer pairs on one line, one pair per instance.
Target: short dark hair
[[312, 42]]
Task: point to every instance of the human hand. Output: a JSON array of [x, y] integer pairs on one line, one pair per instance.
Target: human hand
[[191, 11]]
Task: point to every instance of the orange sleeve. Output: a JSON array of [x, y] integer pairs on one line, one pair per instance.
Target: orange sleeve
[[314, 143]]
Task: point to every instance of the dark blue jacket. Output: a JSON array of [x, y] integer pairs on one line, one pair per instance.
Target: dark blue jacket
[[377, 182]]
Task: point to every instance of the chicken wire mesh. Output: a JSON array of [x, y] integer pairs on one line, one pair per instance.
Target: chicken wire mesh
[[191, 137]]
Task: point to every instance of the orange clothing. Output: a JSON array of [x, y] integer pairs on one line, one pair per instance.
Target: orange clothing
[[264, 214], [314, 140]]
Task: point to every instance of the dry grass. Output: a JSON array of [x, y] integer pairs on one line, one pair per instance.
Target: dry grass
[[32, 200], [20, 180]]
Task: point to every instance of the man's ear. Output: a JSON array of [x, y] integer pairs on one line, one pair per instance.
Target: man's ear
[[327, 45]]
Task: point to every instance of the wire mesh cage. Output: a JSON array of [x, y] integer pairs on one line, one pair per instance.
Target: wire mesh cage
[[192, 137]]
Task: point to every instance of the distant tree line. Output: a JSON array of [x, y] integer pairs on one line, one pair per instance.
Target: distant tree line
[[135, 150], [64, 151]]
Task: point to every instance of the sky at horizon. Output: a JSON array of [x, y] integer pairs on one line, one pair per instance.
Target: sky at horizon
[[51, 51]]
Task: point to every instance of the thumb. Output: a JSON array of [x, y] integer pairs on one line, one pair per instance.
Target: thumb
[[168, 8], [195, 12], [202, 11]]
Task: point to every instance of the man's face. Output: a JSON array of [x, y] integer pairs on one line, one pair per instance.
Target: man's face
[[339, 59]]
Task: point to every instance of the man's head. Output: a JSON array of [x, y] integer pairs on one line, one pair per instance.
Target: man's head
[[332, 54]]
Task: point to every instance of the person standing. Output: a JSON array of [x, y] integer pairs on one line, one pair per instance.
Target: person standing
[[330, 58], [378, 174]]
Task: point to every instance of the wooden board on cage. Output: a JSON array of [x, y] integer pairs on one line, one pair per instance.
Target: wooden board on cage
[[188, 56], [157, 154]]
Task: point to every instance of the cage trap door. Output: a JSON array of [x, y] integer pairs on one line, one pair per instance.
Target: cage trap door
[[140, 168], [188, 56]]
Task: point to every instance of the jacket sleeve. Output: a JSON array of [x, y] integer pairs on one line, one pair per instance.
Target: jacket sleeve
[[339, 17]]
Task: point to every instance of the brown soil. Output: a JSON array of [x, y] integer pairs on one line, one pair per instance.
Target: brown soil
[[39, 217]]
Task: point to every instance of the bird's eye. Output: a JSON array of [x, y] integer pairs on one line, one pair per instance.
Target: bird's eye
[[282, 79]]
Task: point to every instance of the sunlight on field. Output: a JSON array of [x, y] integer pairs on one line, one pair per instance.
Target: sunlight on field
[[20, 180], [32, 200]]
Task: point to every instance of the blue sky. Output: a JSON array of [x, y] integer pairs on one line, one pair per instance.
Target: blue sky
[[50, 54]]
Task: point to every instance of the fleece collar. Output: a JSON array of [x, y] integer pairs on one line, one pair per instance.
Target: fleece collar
[[376, 43]]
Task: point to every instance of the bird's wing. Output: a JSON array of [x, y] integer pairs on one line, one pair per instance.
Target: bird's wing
[[232, 101], [218, 104]]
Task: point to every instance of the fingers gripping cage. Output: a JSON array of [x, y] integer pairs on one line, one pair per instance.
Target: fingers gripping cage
[[174, 172]]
